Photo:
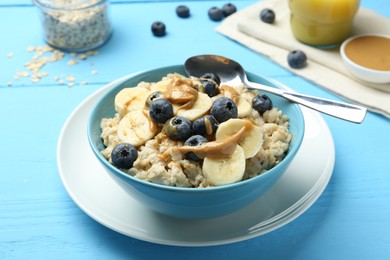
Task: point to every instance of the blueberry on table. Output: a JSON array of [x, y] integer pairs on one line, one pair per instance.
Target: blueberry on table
[[211, 76], [124, 155], [161, 110], [223, 109], [215, 14], [206, 125], [178, 128], [296, 59], [228, 9], [267, 15], [158, 29], [261, 103], [183, 11], [195, 140]]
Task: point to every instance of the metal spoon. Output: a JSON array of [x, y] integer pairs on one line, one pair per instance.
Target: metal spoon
[[232, 73]]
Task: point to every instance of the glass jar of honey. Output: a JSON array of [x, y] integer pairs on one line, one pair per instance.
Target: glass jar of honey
[[322, 23]]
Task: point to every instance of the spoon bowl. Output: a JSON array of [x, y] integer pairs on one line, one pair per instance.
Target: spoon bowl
[[232, 73]]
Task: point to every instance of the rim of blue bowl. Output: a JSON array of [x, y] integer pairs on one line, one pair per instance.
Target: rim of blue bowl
[[174, 68]]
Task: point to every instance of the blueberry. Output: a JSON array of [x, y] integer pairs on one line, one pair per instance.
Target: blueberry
[[152, 97], [261, 103], [158, 29], [296, 59], [228, 9], [178, 128], [206, 125], [195, 140], [267, 15], [215, 14], [210, 88], [161, 110], [183, 11], [223, 109], [211, 76], [124, 155]]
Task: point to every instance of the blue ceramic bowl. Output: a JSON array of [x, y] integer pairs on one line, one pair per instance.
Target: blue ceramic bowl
[[195, 203]]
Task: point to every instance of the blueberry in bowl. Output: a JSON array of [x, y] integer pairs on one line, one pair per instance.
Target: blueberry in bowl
[[223, 109], [195, 140], [206, 125], [197, 171], [178, 128]]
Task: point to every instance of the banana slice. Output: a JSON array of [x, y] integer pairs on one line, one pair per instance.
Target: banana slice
[[226, 170], [243, 107], [201, 106], [130, 99], [161, 85], [252, 139], [136, 127]]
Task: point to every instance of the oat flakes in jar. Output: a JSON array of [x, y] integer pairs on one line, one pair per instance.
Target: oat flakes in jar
[[75, 25]]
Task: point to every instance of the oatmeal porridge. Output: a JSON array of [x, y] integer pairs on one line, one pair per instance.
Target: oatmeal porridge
[[194, 132]]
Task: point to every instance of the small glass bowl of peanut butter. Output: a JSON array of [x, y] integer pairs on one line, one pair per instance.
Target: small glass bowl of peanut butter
[[367, 57]]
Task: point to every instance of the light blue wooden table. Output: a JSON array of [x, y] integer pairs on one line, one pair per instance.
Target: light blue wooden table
[[38, 219]]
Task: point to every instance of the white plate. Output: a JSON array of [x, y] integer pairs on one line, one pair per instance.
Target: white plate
[[102, 199]]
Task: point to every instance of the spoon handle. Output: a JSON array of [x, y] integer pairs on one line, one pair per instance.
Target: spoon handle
[[345, 111]]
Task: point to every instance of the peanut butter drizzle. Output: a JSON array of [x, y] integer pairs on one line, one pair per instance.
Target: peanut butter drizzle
[[218, 149], [208, 125], [181, 92], [128, 102], [152, 124], [230, 92]]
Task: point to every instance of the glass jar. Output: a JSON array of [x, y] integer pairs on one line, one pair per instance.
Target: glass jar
[[75, 25], [322, 23]]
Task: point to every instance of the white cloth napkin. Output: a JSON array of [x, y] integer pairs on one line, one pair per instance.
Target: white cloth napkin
[[325, 67]]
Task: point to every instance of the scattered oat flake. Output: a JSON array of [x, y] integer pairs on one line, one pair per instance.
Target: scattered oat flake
[[82, 56], [91, 63], [92, 53], [23, 74], [84, 83], [72, 62], [70, 84], [36, 75], [70, 78], [47, 48], [45, 54], [40, 75], [9, 83], [38, 54]]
